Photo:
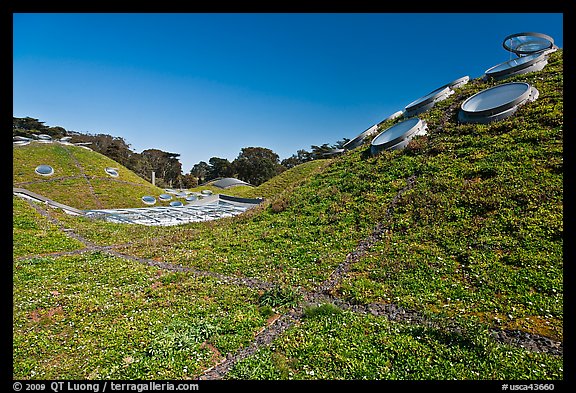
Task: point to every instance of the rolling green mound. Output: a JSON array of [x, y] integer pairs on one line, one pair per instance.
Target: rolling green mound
[[443, 260], [285, 182], [79, 178]]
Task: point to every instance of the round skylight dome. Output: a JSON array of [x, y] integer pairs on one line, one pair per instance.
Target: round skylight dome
[[44, 170], [165, 197], [426, 102], [357, 141], [333, 152], [393, 116], [520, 65], [112, 171], [528, 43], [191, 198], [148, 199], [206, 192], [45, 137], [176, 204], [496, 103], [398, 136], [458, 82]]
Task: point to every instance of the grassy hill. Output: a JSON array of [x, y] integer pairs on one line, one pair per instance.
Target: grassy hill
[[79, 178], [424, 263], [282, 183], [80, 181]]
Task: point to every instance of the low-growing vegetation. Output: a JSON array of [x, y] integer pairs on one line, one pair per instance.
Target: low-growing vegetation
[[463, 227], [98, 317], [349, 346]]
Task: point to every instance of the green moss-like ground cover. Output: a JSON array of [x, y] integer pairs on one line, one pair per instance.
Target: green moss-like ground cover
[[79, 178], [349, 346], [477, 239], [98, 317], [33, 234]]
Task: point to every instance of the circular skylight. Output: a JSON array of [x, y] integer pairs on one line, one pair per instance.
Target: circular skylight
[[191, 198], [333, 152], [206, 192], [521, 65], [354, 143], [44, 137], [527, 43], [398, 136], [181, 194], [393, 116], [426, 102], [458, 82], [176, 204], [165, 197], [65, 138], [112, 171], [20, 143], [496, 103], [44, 170], [148, 199], [21, 138]]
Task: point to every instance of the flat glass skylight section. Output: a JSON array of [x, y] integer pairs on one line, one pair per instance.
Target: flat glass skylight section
[[176, 214], [397, 136], [165, 197], [44, 170], [527, 43], [149, 199], [496, 103], [112, 171], [520, 65]]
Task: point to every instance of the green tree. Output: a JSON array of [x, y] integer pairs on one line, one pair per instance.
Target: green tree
[[300, 157], [219, 167], [200, 171], [166, 166], [256, 165]]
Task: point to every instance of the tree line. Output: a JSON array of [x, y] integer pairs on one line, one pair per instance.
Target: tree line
[[254, 165]]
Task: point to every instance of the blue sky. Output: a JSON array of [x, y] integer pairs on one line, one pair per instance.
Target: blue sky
[[206, 85]]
